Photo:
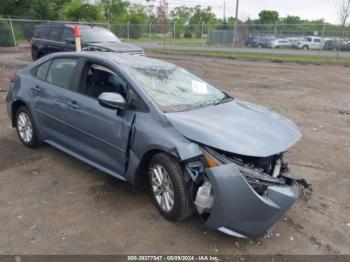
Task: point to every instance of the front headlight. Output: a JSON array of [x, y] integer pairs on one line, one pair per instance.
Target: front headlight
[[254, 177]]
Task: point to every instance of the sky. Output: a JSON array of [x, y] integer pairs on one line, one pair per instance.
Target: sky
[[307, 9]]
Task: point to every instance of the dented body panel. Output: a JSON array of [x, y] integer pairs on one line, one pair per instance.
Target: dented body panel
[[240, 209], [238, 127]]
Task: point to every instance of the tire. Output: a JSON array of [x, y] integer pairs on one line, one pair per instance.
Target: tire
[[25, 127], [305, 47], [181, 206]]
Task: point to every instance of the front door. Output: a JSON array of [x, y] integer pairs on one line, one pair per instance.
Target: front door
[[101, 134]]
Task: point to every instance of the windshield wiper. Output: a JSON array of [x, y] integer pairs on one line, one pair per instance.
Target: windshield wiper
[[224, 100]]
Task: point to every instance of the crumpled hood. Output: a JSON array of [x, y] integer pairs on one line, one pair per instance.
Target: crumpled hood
[[237, 127], [120, 47]]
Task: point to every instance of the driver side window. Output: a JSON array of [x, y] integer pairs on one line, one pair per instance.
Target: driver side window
[[99, 79]]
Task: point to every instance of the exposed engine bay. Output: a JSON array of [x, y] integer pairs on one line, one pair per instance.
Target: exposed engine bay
[[259, 172]]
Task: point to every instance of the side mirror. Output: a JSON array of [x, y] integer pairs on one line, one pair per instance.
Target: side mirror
[[112, 100]]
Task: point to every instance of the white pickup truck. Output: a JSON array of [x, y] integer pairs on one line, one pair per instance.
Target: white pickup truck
[[310, 42]]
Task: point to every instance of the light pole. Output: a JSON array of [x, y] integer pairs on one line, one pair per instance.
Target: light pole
[[235, 25], [237, 6]]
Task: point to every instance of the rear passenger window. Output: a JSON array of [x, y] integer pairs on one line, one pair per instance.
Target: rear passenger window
[[41, 71], [40, 32], [61, 72], [55, 34]]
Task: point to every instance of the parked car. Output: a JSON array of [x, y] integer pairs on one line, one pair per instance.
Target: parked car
[[310, 42], [149, 122], [334, 45], [57, 37], [294, 41], [280, 43], [263, 41]]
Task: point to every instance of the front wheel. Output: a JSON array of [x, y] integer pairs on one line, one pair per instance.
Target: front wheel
[[25, 127], [168, 188]]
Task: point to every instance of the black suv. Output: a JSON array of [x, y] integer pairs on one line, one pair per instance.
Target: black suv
[[51, 37]]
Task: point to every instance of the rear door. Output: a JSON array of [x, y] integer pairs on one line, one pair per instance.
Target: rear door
[[54, 83]]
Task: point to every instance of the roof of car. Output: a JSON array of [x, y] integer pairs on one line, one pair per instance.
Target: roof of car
[[123, 59], [81, 26]]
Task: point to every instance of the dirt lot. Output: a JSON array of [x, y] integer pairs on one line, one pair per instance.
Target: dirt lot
[[51, 203]]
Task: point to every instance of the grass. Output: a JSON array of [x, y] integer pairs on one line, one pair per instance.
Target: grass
[[171, 41], [253, 56]]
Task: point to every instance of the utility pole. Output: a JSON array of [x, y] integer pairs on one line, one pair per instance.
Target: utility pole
[[235, 25], [237, 6], [224, 16]]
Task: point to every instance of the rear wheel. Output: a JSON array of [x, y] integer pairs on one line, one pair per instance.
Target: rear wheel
[[168, 188], [25, 127]]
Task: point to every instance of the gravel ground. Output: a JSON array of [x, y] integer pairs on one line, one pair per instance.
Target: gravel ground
[[52, 203]]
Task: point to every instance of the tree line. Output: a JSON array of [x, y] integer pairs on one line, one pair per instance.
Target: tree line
[[122, 11], [118, 13]]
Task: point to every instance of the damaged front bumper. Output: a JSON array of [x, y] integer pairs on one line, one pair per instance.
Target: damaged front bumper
[[239, 210]]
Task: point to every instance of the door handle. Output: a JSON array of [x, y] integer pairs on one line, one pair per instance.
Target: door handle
[[73, 105], [36, 88]]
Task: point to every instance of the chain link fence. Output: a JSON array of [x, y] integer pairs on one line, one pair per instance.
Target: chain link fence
[[287, 38]]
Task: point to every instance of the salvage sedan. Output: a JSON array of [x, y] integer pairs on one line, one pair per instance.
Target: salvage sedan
[[155, 124]]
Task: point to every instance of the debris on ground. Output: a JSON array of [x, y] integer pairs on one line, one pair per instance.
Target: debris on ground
[[344, 112], [305, 189], [33, 226]]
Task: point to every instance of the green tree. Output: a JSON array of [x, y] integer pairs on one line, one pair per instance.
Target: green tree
[[80, 10], [137, 16], [181, 16], [35, 9], [46, 9], [231, 20], [268, 17], [115, 11], [200, 16], [203, 15], [6, 35], [17, 8], [292, 20]]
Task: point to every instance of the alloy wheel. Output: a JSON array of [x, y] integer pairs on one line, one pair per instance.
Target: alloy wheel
[[25, 128], [162, 187]]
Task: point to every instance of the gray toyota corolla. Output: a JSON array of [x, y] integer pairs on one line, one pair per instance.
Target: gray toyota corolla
[[155, 124]]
